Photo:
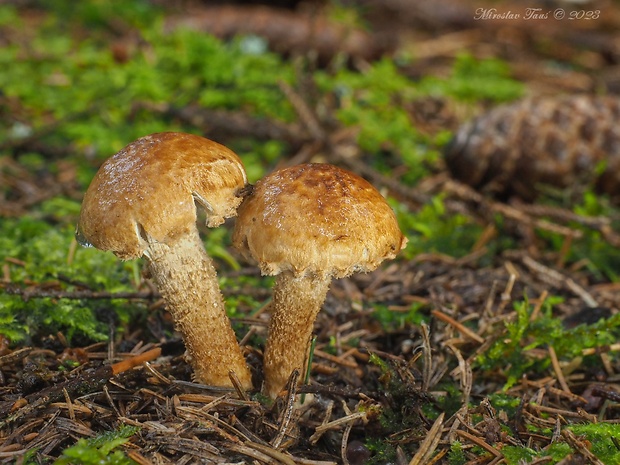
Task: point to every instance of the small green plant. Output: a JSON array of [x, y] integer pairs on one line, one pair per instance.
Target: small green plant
[[101, 450], [456, 456], [382, 452], [510, 352]]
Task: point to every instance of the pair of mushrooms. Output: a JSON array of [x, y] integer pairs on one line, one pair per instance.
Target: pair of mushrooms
[[306, 224]]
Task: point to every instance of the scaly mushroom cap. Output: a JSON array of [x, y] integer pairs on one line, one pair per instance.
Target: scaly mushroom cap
[[316, 219], [149, 189]]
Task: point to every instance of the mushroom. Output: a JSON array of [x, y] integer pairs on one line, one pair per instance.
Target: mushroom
[[143, 203], [308, 224]]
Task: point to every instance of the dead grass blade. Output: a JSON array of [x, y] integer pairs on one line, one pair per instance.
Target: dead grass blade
[[429, 444]]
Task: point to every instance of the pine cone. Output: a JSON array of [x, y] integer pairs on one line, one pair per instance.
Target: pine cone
[[514, 149]]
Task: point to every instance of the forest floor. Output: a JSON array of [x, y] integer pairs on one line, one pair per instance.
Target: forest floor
[[436, 359]]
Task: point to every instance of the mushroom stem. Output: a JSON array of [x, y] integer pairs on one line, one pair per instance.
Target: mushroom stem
[[296, 303], [187, 281]]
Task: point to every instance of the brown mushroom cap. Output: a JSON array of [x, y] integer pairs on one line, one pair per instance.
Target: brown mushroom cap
[[149, 189], [316, 219]]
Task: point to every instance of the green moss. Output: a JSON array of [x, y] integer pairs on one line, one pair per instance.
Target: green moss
[[44, 249], [9, 17], [433, 229], [557, 451], [382, 452], [101, 15], [375, 102], [78, 82], [502, 401], [604, 438], [474, 80], [401, 414], [100, 450], [391, 320], [515, 455], [509, 352], [600, 256], [456, 456]]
